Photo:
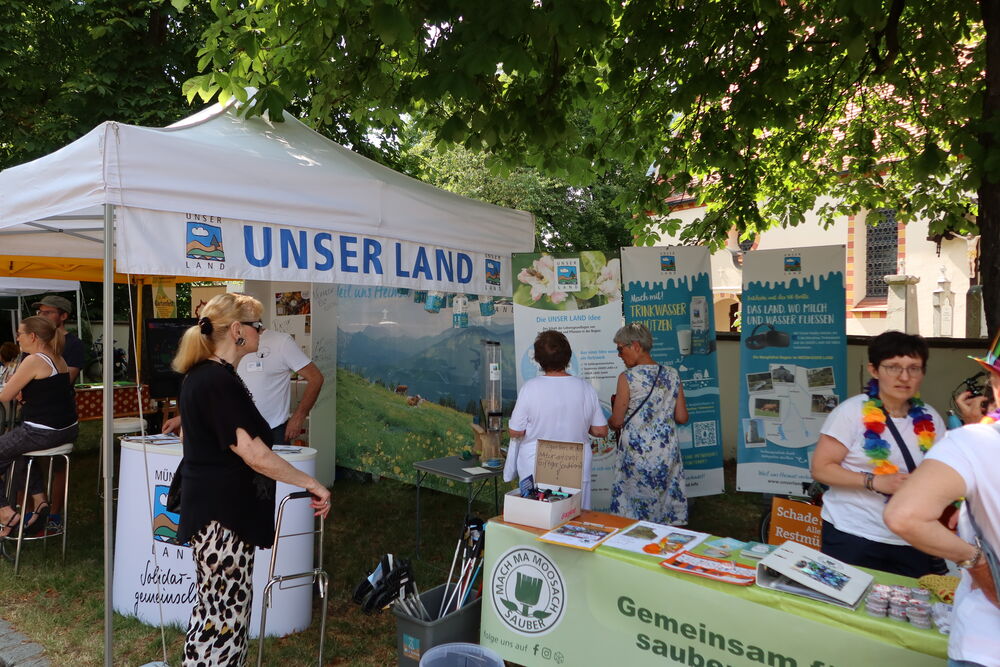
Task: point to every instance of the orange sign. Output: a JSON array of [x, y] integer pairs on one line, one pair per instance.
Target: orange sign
[[796, 521]]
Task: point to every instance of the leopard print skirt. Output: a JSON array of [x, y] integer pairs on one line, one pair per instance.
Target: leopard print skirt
[[218, 631]]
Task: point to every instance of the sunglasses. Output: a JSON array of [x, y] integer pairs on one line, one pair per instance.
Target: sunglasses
[[258, 325]]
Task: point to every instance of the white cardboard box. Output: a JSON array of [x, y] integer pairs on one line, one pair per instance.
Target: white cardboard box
[[558, 465]]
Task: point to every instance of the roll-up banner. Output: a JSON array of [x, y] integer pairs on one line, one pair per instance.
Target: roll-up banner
[[189, 244], [580, 295], [793, 363], [669, 290]]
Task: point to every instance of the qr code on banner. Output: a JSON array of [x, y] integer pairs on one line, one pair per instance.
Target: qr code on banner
[[704, 434]]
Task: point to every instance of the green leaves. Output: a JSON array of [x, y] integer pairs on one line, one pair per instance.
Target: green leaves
[[390, 23]]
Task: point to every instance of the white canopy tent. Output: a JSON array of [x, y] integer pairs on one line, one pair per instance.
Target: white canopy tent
[[31, 287], [22, 287], [142, 199]]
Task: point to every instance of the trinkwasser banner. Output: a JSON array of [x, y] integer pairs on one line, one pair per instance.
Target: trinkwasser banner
[[668, 289]]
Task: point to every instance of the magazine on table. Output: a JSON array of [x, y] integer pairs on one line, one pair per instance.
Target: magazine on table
[[653, 539], [757, 550], [717, 569], [579, 535], [722, 547], [797, 569]]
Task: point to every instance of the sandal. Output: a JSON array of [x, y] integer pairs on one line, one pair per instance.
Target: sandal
[[39, 520], [15, 520]]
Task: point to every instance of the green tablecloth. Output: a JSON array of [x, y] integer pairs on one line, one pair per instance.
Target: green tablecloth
[[548, 605]]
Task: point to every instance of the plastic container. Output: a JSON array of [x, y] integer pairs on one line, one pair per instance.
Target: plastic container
[[461, 655], [415, 637]]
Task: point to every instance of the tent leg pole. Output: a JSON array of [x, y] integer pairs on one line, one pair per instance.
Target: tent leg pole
[[107, 439], [79, 325]]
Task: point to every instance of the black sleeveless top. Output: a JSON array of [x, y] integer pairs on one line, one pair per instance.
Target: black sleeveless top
[[50, 401]]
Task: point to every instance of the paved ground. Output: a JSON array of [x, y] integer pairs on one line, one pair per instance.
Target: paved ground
[[17, 650]]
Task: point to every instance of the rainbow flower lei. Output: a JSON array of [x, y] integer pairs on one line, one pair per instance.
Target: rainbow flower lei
[[873, 417]]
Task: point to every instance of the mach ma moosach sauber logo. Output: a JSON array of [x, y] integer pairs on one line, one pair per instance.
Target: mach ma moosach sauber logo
[[529, 593], [204, 242]]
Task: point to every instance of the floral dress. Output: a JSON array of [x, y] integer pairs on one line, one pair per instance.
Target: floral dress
[[649, 477]]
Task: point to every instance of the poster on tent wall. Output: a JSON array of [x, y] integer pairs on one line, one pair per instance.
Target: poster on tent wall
[[578, 294], [202, 295], [793, 363], [164, 297], [409, 377], [669, 290], [190, 244]]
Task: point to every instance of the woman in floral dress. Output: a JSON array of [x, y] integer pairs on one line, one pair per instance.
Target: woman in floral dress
[[648, 405]]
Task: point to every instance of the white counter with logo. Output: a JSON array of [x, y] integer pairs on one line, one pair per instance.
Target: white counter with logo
[[153, 570]]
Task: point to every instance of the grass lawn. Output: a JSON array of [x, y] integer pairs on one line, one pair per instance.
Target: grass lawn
[[61, 606]]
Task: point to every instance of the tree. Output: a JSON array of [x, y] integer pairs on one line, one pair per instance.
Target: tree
[[68, 65], [567, 217], [758, 108]]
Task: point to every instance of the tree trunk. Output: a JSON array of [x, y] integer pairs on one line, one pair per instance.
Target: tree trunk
[[989, 187]]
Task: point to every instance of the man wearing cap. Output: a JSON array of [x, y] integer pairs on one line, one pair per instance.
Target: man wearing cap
[[57, 309], [963, 464]]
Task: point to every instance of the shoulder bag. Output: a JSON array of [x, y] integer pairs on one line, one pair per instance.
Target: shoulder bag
[[617, 433]]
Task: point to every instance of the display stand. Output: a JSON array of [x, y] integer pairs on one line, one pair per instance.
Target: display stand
[[143, 585]]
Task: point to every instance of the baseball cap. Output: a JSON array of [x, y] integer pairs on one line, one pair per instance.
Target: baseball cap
[[991, 361], [60, 302]]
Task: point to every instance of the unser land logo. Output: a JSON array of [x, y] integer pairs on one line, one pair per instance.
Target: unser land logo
[[528, 591]]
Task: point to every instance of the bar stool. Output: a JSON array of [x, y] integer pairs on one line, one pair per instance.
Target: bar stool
[[51, 454]]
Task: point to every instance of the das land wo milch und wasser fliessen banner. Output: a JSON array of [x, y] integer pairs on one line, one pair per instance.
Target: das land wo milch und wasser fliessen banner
[[668, 289], [793, 363], [578, 294]]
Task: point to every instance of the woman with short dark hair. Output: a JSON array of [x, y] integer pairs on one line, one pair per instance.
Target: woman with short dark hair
[[649, 403], [867, 448], [554, 406]]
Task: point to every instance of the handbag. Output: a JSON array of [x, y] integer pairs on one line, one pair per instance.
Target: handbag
[[617, 433], [173, 503], [989, 554]]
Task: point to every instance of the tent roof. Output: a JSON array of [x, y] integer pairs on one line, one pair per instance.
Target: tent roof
[[30, 287], [219, 163]]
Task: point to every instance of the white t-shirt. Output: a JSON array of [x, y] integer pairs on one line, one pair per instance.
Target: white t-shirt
[[266, 374], [859, 511], [974, 453], [559, 408]]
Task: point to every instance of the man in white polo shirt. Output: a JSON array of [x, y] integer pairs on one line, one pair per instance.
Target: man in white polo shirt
[[266, 375]]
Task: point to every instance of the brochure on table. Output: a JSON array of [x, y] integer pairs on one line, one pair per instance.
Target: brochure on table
[[717, 569], [653, 539], [579, 535], [797, 569]]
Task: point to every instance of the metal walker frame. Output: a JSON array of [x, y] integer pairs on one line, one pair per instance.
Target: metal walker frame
[[317, 576]]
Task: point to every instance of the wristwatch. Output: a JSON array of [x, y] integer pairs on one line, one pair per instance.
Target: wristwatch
[[970, 563]]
